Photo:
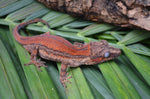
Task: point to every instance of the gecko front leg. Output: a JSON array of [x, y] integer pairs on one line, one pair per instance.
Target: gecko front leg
[[33, 49], [63, 75]]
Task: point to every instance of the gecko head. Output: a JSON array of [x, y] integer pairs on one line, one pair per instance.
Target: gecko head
[[101, 51]]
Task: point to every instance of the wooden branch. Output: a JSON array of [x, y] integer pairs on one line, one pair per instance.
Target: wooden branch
[[124, 13]]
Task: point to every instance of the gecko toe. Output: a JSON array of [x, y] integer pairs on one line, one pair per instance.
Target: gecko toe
[[64, 79], [68, 81], [64, 85], [39, 68], [37, 63], [41, 63], [30, 63]]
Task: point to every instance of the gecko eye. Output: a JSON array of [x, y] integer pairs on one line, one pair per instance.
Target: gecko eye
[[107, 54]]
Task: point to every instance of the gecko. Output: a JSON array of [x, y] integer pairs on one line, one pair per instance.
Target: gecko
[[56, 48]]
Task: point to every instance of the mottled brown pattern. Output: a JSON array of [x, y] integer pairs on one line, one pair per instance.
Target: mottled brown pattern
[[125, 13], [58, 49]]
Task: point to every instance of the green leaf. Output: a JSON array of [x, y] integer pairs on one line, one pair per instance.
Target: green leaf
[[141, 65], [14, 6], [140, 49], [96, 94], [78, 24], [54, 74], [140, 86], [52, 15], [97, 81], [55, 19], [106, 36], [66, 29], [4, 22], [4, 3], [116, 35], [12, 77], [6, 91], [95, 28], [118, 82], [56, 22], [26, 11], [134, 36], [37, 14]]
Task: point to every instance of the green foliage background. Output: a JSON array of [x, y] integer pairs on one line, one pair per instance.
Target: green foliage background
[[126, 77]]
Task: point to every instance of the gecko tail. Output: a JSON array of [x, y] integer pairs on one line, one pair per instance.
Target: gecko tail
[[22, 25]]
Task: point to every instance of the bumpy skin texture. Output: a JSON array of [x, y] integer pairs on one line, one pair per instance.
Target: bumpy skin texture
[[58, 49]]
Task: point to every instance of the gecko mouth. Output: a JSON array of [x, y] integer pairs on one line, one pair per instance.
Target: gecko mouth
[[115, 54]]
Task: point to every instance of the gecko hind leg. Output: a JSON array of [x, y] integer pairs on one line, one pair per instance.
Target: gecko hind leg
[[34, 50], [64, 76]]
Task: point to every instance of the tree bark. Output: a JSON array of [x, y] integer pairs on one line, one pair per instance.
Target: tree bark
[[124, 13]]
